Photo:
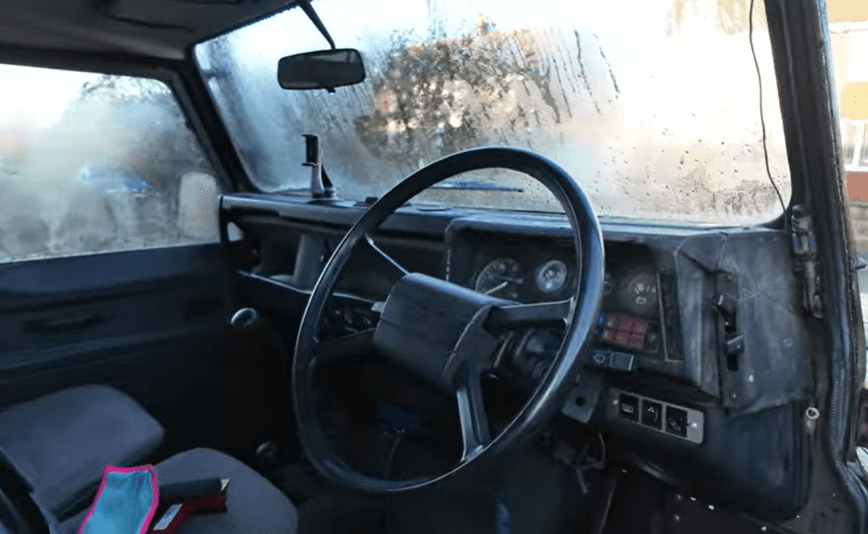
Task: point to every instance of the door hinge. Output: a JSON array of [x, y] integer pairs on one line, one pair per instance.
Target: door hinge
[[807, 265], [725, 305]]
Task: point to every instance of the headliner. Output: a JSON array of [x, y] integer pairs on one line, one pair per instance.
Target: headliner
[[156, 29]]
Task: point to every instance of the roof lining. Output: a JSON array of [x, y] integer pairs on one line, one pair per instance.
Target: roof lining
[[135, 29]]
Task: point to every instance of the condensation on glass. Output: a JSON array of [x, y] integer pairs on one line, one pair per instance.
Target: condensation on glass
[[95, 163], [653, 107]]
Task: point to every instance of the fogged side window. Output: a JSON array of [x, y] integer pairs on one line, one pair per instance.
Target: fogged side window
[[855, 140], [94, 163], [862, 157]]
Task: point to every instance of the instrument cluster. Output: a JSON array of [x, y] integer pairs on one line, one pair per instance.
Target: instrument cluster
[[506, 277], [631, 289], [631, 318]]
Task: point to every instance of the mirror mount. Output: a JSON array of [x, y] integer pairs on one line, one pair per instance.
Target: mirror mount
[[321, 186], [314, 17]]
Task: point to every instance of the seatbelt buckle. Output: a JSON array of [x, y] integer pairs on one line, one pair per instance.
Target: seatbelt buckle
[[181, 500]]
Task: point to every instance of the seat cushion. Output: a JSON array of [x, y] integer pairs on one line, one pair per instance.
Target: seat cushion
[[62, 441], [253, 504]]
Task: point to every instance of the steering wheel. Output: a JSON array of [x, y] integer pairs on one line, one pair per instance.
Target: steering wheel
[[448, 334]]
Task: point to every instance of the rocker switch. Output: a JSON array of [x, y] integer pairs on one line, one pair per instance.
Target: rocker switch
[[628, 407]]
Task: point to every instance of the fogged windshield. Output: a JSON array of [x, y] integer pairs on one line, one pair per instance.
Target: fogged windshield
[[653, 107]]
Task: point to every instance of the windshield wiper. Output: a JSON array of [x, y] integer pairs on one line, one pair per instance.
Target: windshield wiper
[[471, 185], [461, 185]]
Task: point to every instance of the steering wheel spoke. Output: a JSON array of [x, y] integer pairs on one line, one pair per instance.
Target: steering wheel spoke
[[544, 314], [475, 432], [398, 269]]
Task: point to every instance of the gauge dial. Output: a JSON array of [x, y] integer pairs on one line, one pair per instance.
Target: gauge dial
[[551, 277], [608, 285], [501, 277], [640, 293]]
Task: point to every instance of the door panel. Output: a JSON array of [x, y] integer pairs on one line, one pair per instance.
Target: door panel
[[153, 323], [54, 309]]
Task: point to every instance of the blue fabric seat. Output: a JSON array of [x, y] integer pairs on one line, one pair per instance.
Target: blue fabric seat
[[62, 441], [253, 504]]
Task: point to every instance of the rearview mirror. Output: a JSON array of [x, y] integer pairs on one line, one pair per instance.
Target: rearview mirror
[[322, 69]]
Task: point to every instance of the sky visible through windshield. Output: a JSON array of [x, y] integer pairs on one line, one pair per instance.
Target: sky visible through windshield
[[651, 106]]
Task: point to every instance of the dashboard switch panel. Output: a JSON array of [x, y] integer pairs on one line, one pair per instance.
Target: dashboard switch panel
[[676, 421], [628, 407], [656, 416], [652, 414], [621, 361], [615, 361]]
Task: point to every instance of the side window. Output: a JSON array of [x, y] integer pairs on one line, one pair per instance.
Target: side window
[[94, 163], [863, 155], [854, 136]]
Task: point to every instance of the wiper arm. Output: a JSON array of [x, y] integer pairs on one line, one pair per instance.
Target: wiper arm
[[471, 185], [464, 185]]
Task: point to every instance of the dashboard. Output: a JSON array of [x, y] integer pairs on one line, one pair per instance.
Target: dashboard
[[700, 357]]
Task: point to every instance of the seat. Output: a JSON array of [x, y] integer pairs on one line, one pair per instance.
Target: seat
[[253, 504], [61, 441]]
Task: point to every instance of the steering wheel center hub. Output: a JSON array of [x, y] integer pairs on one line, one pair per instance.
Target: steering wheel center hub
[[430, 327]]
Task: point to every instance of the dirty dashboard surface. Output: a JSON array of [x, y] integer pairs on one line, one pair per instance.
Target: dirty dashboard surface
[[697, 370]]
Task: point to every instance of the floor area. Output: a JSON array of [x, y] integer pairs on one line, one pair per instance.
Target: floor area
[[530, 494]]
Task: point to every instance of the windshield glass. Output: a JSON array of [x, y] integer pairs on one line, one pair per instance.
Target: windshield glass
[[653, 107]]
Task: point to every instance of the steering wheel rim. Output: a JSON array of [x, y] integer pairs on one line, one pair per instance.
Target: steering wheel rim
[[551, 391]]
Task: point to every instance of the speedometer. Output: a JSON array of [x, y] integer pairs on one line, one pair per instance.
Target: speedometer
[[501, 278]]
